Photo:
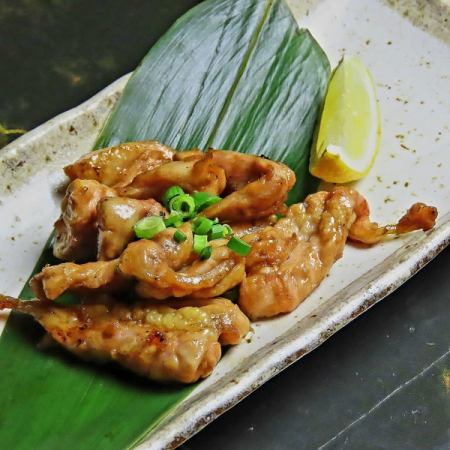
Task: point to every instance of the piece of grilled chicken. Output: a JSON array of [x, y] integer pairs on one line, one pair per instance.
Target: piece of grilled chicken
[[95, 223], [113, 188], [252, 187], [291, 258], [117, 166], [288, 259], [158, 269], [176, 343]]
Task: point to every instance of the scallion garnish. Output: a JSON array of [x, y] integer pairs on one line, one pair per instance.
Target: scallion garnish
[[202, 225], [219, 231], [204, 199], [183, 207], [206, 252], [148, 227], [179, 236], [174, 220], [183, 204], [239, 246], [172, 192], [228, 228], [200, 242]]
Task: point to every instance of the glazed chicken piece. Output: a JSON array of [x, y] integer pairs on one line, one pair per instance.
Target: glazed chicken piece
[[418, 217], [118, 166], [191, 173], [98, 276], [257, 187], [289, 260], [148, 263], [189, 155], [116, 217], [93, 218], [76, 229], [180, 343], [161, 267]]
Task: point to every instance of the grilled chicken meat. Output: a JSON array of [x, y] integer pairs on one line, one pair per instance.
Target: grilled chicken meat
[[76, 229], [289, 260], [192, 174], [118, 166], [139, 172], [148, 263], [94, 222], [97, 276], [254, 187], [257, 187], [176, 343], [175, 330], [158, 269], [116, 217]]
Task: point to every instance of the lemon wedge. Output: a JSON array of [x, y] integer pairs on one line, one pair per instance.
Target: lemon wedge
[[349, 133]]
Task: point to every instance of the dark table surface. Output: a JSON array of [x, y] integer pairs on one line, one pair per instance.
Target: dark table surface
[[383, 382]]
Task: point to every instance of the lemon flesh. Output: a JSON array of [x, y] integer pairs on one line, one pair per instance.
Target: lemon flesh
[[350, 126]]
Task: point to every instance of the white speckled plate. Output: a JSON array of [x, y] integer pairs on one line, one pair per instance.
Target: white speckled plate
[[405, 43]]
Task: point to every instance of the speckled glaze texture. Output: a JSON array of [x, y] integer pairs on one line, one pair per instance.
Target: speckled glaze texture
[[408, 56], [432, 16]]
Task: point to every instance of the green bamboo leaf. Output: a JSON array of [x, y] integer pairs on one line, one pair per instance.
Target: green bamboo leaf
[[230, 73], [256, 89]]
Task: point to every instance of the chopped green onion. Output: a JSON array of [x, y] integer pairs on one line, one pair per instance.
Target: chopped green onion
[[171, 193], [206, 252], [232, 294], [148, 227], [179, 236], [219, 231], [174, 220], [239, 246], [204, 199], [202, 225], [200, 242], [229, 230], [183, 204]]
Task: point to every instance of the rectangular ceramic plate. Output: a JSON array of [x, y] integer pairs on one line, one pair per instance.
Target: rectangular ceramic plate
[[411, 68]]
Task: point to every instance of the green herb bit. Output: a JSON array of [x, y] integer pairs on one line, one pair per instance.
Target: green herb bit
[[172, 192], [179, 236], [219, 231], [229, 230], [239, 246], [183, 204], [148, 227], [204, 199], [202, 225], [206, 253], [174, 220], [200, 242]]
